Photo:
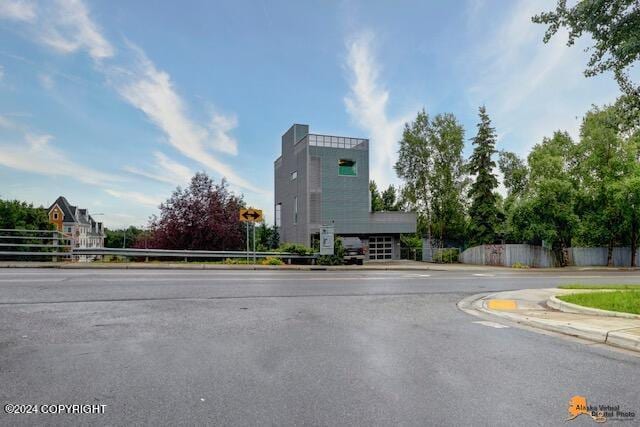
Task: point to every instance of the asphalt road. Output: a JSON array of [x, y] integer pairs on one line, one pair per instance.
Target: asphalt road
[[293, 348]]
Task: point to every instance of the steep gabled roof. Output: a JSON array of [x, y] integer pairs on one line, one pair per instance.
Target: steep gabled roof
[[67, 210], [83, 217]]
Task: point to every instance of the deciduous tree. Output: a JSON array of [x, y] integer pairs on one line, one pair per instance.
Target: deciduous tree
[[515, 173], [544, 214], [603, 158], [614, 28], [17, 214], [202, 216], [431, 165], [131, 237]]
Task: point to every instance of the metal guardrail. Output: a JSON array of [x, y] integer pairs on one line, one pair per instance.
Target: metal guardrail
[[33, 245], [44, 239], [27, 230], [56, 239], [47, 254], [177, 253]]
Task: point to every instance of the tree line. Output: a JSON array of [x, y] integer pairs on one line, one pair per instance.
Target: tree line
[[565, 193]]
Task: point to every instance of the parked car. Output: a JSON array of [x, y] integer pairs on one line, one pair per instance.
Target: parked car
[[353, 250]]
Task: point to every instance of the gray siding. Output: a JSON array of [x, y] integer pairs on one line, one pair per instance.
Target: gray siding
[[344, 199], [325, 196], [294, 158]]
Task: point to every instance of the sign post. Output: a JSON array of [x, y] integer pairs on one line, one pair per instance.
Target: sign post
[[251, 216], [326, 239]]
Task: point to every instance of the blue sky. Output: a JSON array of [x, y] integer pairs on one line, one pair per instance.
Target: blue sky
[[114, 104]]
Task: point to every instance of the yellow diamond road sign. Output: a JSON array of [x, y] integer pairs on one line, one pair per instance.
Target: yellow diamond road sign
[[250, 215]]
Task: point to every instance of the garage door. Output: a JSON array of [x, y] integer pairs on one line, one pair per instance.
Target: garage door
[[380, 247]]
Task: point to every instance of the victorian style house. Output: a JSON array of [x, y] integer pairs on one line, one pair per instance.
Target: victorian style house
[[77, 224]]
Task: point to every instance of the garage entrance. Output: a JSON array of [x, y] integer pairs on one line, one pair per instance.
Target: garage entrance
[[380, 247]]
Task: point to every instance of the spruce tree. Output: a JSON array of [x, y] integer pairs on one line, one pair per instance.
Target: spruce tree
[[484, 213]]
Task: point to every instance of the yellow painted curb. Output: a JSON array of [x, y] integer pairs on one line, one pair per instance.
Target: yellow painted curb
[[502, 304]]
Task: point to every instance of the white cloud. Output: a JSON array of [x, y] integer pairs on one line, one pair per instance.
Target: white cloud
[[67, 27], [1, 72], [135, 197], [151, 91], [367, 105], [36, 154], [531, 88], [19, 10], [220, 127], [166, 170], [64, 25]]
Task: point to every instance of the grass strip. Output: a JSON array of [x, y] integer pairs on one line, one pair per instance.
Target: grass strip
[[600, 286], [622, 301]]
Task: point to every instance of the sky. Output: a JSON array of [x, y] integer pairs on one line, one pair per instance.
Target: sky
[[114, 104]]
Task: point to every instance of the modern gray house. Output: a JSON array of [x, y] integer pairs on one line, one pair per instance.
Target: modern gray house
[[324, 180]]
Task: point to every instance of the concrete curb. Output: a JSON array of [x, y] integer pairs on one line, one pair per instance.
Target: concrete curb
[[568, 307], [623, 339], [614, 337], [370, 267]]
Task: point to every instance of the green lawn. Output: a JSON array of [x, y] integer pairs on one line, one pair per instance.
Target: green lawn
[[601, 286], [623, 301]]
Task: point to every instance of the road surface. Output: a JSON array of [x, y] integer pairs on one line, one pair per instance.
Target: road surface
[[363, 348]]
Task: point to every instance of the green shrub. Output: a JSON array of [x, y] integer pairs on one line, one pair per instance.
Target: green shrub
[[519, 265], [338, 255], [295, 248], [329, 260], [271, 261], [236, 261], [449, 255], [114, 258]]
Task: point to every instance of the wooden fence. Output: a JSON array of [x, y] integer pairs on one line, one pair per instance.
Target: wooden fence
[[536, 256]]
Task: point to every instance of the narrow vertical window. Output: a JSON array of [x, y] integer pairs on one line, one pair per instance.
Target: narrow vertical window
[[295, 210], [278, 214]]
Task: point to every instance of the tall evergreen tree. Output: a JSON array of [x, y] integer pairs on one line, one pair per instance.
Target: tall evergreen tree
[[389, 199], [376, 200], [483, 211]]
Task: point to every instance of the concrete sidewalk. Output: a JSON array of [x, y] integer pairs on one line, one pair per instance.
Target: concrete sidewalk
[[531, 307]]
